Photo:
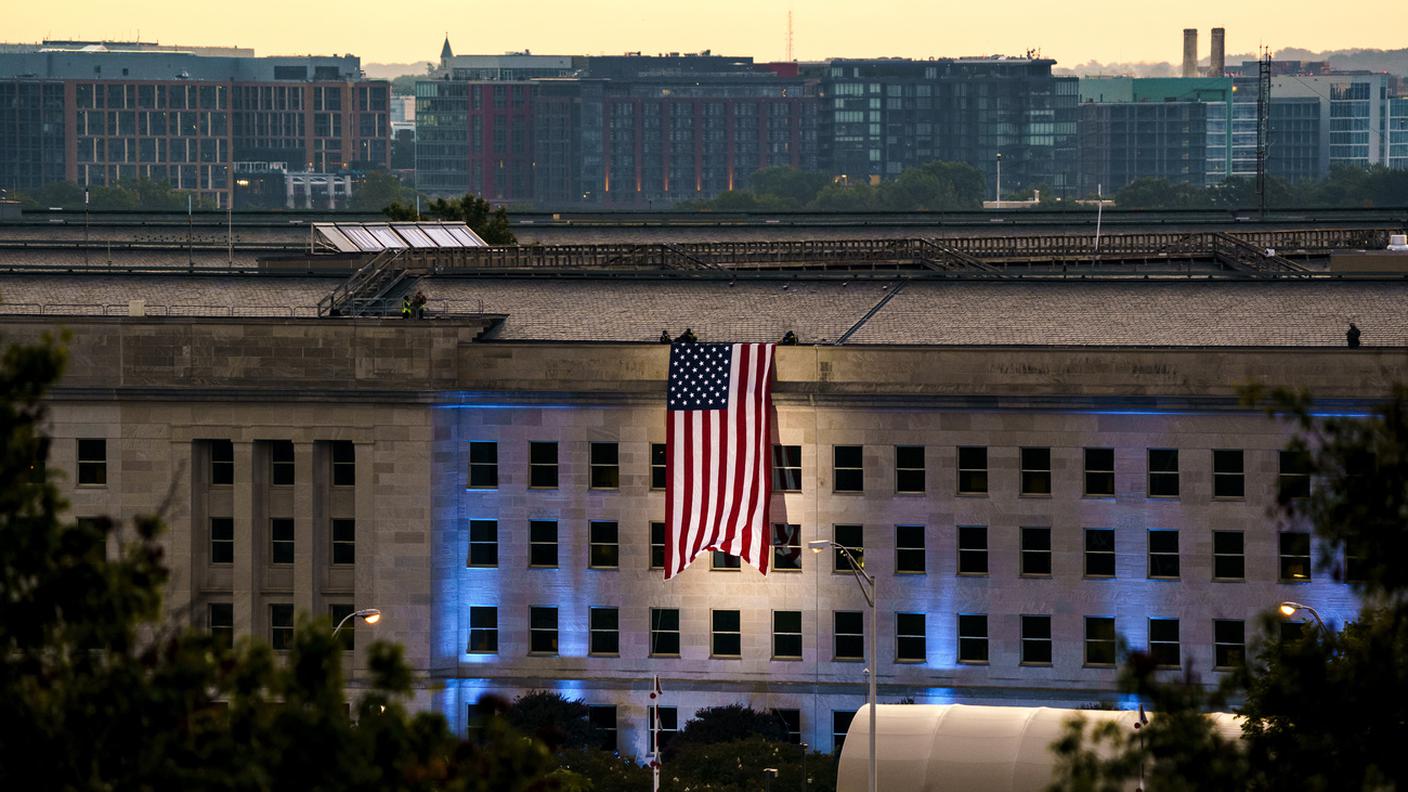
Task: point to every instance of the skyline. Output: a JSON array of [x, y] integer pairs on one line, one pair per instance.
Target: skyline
[[822, 29]]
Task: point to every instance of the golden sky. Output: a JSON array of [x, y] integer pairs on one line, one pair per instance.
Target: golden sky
[[1072, 31]]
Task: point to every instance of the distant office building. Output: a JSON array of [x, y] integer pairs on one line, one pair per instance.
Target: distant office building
[[1396, 132], [1354, 108], [1124, 142], [32, 133]]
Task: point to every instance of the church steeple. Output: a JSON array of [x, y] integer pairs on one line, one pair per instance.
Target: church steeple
[[445, 52]]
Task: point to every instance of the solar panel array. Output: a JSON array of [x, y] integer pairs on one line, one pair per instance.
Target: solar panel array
[[379, 237]]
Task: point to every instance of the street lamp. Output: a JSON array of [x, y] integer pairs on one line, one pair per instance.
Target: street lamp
[[230, 218], [368, 615], [999, 176], [866, 581], [1288, 609]]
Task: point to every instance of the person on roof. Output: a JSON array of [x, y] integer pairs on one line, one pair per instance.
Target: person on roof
[[419, 304], [406, 309], [1352, 336]]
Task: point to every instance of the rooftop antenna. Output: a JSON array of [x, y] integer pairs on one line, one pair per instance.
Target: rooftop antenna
[[790, 59], [1263, 124]]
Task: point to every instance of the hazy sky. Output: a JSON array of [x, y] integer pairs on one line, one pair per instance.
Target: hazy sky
[[1072, 31]]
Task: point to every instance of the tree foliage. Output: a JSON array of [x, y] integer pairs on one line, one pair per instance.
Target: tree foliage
[[1346, 187], [488, 221], [727, 723], [560, 723], [137, 194], [934, 186], [737, 766]]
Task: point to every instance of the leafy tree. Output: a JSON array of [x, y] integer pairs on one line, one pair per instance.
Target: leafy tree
[[727, 723], [792, 188], [600, 771], [378, 190], [560, 723], [138, 194], [737, 766], [488, 222]]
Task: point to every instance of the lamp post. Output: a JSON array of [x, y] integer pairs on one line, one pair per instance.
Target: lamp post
[[230, 219], [368, 615], [999, 176], [866, 581], [1288, 609]]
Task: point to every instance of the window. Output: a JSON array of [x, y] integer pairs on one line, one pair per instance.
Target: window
[[787, 635], [910, 642], [849, 468], [542, 465], [347, 635], [724, 562], [281, 540], [664, 632], [344, 541], [542, 630], [840, 724], [848, 635], [727, 632], [281, 627], [1228, 563], [792, 720], [220, 619], [972, 550], [851, 537], [1036, 551], [542, 543], [483, 543], [92, 462], [222, 540], [344, 463], [1163, 473], [1295, 557], [603, 723], [909, 468], [657, 466], [657, 545], [483, 465], [1294, 478], [786, 547], [222, 463], [972, 470], [1036, 471], [1163, 554], [1036, 640], [605, 625], [605, 466], [1356, 568], [787, 468], [1099, 552], [483, 629], [605, 552], [1229, 642], [1099, 640], [1228, 480], [909, 549], [668, 725], [281, 463], [1100, 472], [972, 638], [1163, 643]]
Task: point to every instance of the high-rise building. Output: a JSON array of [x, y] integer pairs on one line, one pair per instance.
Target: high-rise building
[[1396, 133], [1354, 108], [1123, 142]]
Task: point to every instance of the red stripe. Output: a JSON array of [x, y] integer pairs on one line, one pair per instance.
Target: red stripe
[[687, 497], [759, 420], [669, 492], [705, 536], [765, 455], [737, 440]]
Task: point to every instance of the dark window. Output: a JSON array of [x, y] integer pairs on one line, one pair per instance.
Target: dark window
[[1163, 554], [93, 462], [1228, 479], [1163, 642], [909, 548], [605, 550], [1295, 557], [281, 627], [347, 636], [1229, 642], [792, 720], [1356, 568], [222, 463], [281, 463], [787, 468], [1036, 551], [483, 629], [1036, 471], [1163, 473], [1036, 640], [840, 725], [605, 466], [848, 635], [1099, 552], [220, 619], [1099, 640], [1100, 472], [1228, 561], [542, 465], [786, 547], [972, 550], [603, 723], [972, 470], [222, 540], [851, 537], [483, 465], [344, 463], [1294, 478], [542, 630], [664, 632], [725, 562], [657, 545], [849, 468], [657, 466], [667, 726], [911, 644], [281, 540], [787, 635], [972, 638], [605, 631], [483, 543], [344, 541], [542, 543], [727, 634], [909, 468]]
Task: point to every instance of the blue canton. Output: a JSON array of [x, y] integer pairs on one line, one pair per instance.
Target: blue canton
[[699, 376]]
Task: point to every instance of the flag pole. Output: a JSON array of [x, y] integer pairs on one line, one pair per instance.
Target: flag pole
[[655, 736]]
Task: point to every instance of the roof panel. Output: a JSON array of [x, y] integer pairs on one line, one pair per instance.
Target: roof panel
[[385, 236], [362, 238], [441, 235], [413, 235], [330, 234], [466, 237]]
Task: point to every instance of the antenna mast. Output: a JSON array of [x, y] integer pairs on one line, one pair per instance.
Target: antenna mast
[[1263, 124], [789, 36]]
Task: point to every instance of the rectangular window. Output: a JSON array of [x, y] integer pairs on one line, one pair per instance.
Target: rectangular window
[[1356, 568], [281, 463], [1036, 471], [542, 630], [605, 466], [280, 540], [1163, 554], [344, 463], [909, 549], [220, 619], [603, 723], [840, 725], [972, 470], [851, 537], [787, 468], [1099, 472], [92, 462], [222, 540], [848, 635], [483, 629], [542, 543], [1099, 552], [542, 465], [909, 468], [344, 541], [657, 466], [1295, 557], [664, 632], [1036, 640], [281, 627], [972, 638], [1228, 479], [911, 645], [1036, 551], [787, 635], [1228, 561], [222, 463], [1099, 640], [1294, 477], [1163, 643], [657, 545], [727, 634], [849, 468], [668, 725], [720, 561], [483, 543], [1229, 642], [483, 465], [605, 631], [786, 547], [605, 550], [1163, 473], [347, 636], [972, 550], [792, 720]]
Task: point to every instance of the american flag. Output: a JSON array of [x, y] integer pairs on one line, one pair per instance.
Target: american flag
[[717, 432]]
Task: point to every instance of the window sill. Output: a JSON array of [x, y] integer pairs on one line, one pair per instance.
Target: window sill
[[1098, 496], [1164, 579], [90, 486], [1035, 575], [481, 566], [1097, 665], [910, 492], [603, 654], [787, 659], [1025, 664], [973, 662], [973, 574], [543, 566], [908, 661], [912, 572], [665, 656], [1097, 577], [480, 489], [848, 659], [1035, 495], [1242, 579], [970, 494], [480, 653], [725, 657]]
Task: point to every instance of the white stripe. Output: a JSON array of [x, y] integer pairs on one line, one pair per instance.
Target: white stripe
[[677, 487], [759, 518], [696, 472], [711, 515], [750, 462], [729, 439]]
